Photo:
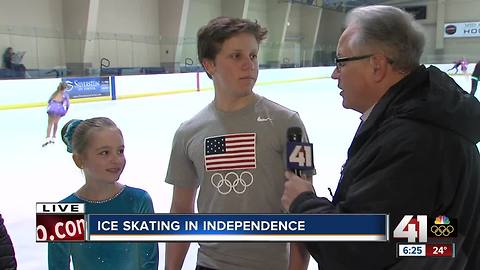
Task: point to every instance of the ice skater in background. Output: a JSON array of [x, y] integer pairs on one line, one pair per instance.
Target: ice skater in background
[[475, 76], [98, 150], [58, 105], [462, 63], [464, 67]]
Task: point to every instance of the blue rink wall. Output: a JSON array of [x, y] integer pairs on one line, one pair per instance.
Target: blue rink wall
[[26, 93], [29, 93]]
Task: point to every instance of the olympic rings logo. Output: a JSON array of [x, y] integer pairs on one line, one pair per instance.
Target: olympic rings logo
[[442, 230], [232, 181]]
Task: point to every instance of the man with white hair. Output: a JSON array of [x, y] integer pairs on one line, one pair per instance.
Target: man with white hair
[[415, 150]]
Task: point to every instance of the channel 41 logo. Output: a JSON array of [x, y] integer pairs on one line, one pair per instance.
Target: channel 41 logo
[[421, 227]]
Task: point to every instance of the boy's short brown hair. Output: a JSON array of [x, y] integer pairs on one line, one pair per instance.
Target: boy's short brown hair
[[211, 36]]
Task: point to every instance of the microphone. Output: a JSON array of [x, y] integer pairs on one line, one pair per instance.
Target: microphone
[[294, 135], [299, 154]]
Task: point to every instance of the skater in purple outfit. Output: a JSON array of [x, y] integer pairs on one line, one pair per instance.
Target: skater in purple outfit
[[58, 105], [462, 64]]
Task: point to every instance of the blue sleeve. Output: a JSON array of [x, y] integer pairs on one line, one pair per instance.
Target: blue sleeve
[[58, 256], [148, 250], [145, 204], [149, 255]]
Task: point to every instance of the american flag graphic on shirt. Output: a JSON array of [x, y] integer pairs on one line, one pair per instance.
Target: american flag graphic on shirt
[[230, 152]]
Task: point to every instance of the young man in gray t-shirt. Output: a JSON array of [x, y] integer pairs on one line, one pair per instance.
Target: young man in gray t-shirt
[[233, 152]]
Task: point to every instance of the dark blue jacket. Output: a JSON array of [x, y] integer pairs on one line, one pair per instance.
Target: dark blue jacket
[[7, 254]]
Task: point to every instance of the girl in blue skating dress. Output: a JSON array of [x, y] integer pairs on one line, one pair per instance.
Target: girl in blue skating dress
[[97, 147]]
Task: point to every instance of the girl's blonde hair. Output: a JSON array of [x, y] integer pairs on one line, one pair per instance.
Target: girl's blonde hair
[[76, 133], [61, 86]]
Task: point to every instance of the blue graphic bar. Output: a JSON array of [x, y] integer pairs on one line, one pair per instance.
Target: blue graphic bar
[[237, 227]]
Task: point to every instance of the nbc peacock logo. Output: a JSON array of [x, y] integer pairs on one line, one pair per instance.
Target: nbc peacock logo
[[442, 226]]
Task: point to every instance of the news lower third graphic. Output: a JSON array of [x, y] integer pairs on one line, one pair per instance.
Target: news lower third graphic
[[428, 232], [57, 222], [237, 227]]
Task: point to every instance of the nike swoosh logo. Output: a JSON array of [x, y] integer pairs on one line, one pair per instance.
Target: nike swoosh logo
[[260, 119]]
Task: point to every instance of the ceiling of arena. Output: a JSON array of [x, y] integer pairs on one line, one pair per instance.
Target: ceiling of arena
[[346, 5], [349, 4]]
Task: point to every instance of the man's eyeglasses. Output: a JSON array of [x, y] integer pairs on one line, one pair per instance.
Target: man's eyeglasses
[[340, 61]]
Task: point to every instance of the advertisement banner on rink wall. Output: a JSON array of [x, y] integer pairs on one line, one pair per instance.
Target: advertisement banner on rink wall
[[83, 87], [461, 30]]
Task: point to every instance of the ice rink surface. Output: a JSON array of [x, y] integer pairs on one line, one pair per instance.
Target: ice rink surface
[[30, 173]]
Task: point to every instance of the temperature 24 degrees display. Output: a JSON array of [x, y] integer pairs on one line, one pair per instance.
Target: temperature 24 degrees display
[[426, 250], [440, 250]]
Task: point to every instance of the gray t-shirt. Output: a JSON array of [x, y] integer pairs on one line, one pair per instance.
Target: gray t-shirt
[[238, 160]]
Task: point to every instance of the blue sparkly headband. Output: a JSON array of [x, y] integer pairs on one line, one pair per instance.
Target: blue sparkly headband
[[67, 137]]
